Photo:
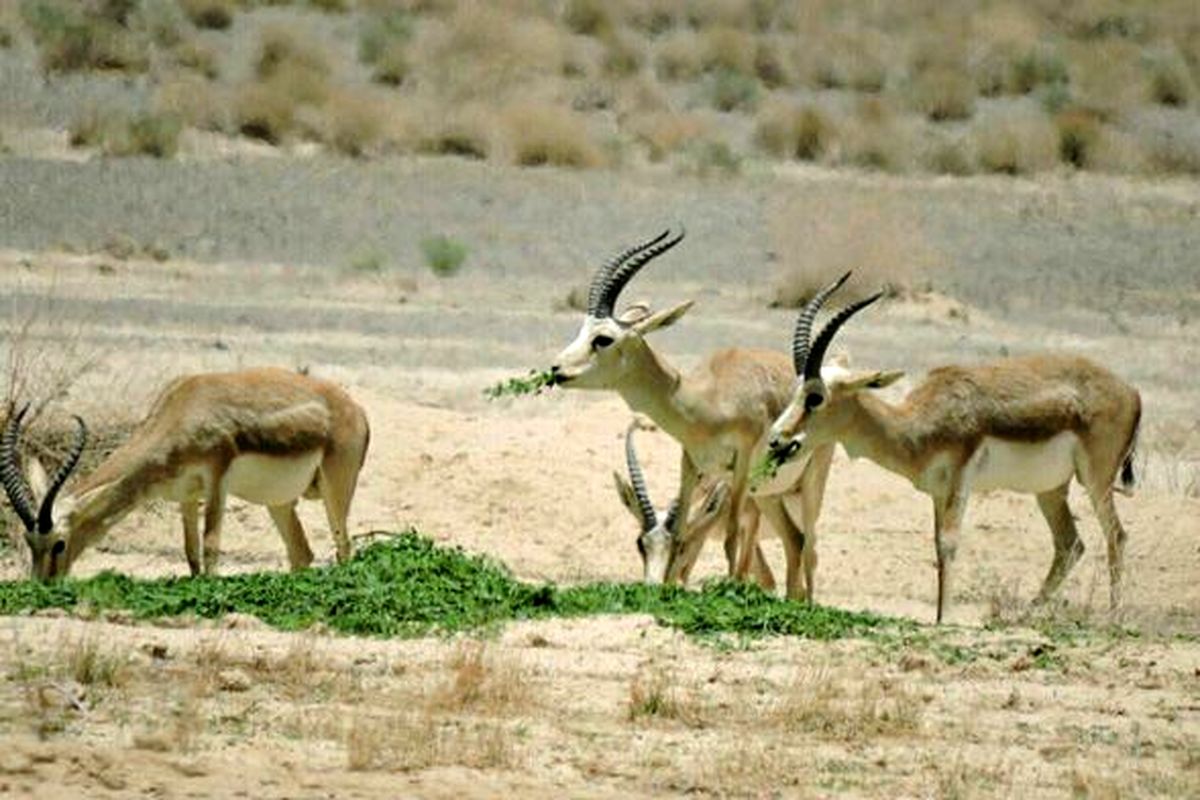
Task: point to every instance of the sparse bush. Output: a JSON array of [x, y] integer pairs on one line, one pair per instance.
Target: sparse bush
[[1079, 133], [199, 57], [163, 21], [195, 102], [1017, 143], [381, 32], [1171, 82], [872, 138], [444, 256], [770, 65], [73, 37], [212, 14], [712, 157], [733, 91], [680, 57], [281, 51], [262, 112], [623, 55], [392, 67], [1039, 66], [943, 94], [546, 134], [950, 157], [354, 123], [666, 132], [727, 49], [588, 17], [801, 132], [121, 133], [850, 62], [465, 133]]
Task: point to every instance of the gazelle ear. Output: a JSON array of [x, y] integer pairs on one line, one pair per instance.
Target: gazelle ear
[[39, 481], [634, 313], [662, 319]]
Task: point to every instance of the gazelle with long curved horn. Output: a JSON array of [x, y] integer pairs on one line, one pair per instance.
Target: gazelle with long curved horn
[[656, 528], [1027, 424], [719, 413], [268, 436]]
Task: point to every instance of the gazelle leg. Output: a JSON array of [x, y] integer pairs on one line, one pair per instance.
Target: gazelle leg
[[337, 481], [1068, 547], [793, 542], [1114, 535], [948, 516], [214, 514], [190, 511], [759, 567], [812, 496], [292, 532], [685, 547]]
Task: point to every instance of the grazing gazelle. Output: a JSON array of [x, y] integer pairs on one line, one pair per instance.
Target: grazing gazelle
[[268, 436], [655, 527], [1027, 424], [719, 414]]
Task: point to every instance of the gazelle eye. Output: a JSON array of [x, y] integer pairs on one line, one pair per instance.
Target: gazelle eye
[[813, 400], [600, 342]]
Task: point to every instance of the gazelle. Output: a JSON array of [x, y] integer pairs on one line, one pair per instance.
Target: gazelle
[[719, 414], [1027, 424], [655, 527], [268, 436]]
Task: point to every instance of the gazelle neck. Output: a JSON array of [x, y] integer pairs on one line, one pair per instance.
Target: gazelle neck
[[88, 515], [880, 432], [651, 386]]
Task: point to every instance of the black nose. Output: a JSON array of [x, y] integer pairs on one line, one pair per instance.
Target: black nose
[[781, 449]]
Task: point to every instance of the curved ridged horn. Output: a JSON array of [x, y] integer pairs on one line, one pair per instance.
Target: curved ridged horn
[[812, 365], [15, 486], [45, 520], [612, 277], [638, 480], [803, 333]]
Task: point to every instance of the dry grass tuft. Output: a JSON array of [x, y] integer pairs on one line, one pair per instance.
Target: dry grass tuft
[[125, 133], [1079, 137], [655, 694], [1017, 143], [944, 94], [664, 132], [550, 135], [482, 683], [213, 14], [199, 57], [417, 740], [73, 37], [355, 123], [819, 704], [194, 101], [817, 238], [802, 132]]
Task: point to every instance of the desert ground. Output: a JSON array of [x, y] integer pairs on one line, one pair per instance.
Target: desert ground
[[1021, 179], [260, 268]]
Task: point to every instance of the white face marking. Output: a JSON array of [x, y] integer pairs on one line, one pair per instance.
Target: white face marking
[[1030, 467]]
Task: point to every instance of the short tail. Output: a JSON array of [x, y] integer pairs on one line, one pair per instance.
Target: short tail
[[1128, 479]]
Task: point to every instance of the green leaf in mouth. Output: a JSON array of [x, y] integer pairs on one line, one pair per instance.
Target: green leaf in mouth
[[534, 383]]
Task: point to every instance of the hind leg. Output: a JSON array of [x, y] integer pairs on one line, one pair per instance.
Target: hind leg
[[190, 511], [292, 532], [214, 515], [337, 481], [1114, 536], [1067, 545], [793, 543]]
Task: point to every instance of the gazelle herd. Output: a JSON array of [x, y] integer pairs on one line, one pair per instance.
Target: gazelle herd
[[271, 436]]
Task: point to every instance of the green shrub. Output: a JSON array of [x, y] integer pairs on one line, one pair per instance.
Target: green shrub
[[212, 14], [74, 37], [733, 91], [444, 256]]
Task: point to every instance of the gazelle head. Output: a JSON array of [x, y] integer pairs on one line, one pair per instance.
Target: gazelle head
[[656, 529], [818, 411], [47, 540], [604, 351]]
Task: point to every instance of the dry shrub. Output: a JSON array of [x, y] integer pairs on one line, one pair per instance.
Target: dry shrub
[[283, 53], [849, 61], [194, 101], [623, 55], [771, 65], [199, 57], [1170, 144], [546, 134], [1079, 133], [418, 740], [1171, 82], [817, 237], [354, 123], [213, 14], [667, 132], [1017, 142], [728, 48], [483, 52], [871, 137], [75, 37], [1108, 75], [482, 682], [680, 57], [655, 694], [261, 111], [944, 93], [127, 133], [588, 17], [803, 132], [819, 704], [468, 131]]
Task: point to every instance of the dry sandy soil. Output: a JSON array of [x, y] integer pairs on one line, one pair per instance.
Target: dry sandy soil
[[266, 266]]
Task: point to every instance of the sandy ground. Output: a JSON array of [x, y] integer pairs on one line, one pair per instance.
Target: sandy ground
[[106, 708]]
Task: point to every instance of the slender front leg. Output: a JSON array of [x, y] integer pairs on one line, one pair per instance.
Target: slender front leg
[[812, 496], [684, 551], [190, 510], [947, 515], [214, 513], [771, 507]]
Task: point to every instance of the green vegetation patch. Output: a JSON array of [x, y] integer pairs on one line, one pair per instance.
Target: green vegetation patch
[[533, 384], [407, 586]]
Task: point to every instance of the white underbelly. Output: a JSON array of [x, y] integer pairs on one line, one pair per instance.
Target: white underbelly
[[1024, 466], [271, 480]]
